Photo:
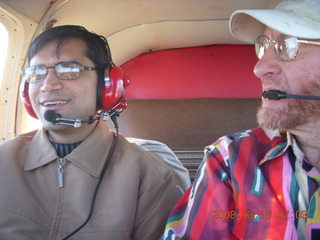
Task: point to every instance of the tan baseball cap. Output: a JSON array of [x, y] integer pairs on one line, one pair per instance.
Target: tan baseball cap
[[299, 18]]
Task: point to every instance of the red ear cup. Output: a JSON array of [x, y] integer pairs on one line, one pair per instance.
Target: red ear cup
[[24, 95], [114, 90]]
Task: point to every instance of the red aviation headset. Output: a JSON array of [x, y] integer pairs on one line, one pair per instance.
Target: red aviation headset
[[112, 95]]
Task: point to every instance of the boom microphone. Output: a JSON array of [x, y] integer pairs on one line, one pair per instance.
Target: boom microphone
[[277, 95], [55, 118]]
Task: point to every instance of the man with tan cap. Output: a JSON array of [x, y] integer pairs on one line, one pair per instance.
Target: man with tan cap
[[264, 183]]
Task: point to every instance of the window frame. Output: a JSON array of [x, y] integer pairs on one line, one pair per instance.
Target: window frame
[[20, 31]]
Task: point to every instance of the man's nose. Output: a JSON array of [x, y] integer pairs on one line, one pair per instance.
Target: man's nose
[[51, 81]]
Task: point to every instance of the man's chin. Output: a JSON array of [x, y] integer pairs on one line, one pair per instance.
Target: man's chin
[[279, 120], [55, 127]]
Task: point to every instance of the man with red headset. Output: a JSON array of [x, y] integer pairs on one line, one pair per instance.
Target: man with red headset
[[264, 183], [74, 176]]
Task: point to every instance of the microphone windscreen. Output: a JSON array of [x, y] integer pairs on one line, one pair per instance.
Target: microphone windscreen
[[51, 116], [273, 94]]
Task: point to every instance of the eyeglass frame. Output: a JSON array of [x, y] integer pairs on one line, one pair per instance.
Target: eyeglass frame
[[81, 68], [276, 46]]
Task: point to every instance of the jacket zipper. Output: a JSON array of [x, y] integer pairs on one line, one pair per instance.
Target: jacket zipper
[[60, 173]]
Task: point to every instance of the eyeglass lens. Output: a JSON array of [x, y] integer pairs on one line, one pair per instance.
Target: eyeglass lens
[[286, 47], [67, 71]]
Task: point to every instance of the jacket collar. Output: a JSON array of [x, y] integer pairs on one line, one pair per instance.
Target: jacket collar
[[90, 155]]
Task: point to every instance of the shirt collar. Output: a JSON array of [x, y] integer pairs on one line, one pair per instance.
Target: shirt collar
[[286, 140]]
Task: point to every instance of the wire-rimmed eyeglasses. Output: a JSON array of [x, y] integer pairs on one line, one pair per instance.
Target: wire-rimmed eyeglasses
[[63, 71], [286, 47]]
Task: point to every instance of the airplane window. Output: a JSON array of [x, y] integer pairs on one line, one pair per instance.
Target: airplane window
[[3, 48]]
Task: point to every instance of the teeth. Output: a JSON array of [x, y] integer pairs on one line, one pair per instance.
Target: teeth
[[54, 103]]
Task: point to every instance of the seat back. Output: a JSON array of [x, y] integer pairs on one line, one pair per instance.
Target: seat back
[[181, 174], [185, 127]]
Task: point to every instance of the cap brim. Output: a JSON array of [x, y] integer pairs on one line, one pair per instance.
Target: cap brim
[[246, 25]]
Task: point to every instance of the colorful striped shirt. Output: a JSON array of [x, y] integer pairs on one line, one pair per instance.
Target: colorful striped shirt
[[255, 184]]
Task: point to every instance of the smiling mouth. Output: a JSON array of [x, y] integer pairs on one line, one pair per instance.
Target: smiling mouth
[[54, 103]]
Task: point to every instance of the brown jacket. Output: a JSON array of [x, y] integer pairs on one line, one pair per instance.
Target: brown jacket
[[134, 200]]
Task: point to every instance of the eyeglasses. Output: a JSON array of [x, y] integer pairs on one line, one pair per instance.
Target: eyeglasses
[[286, 47], [63, 70]]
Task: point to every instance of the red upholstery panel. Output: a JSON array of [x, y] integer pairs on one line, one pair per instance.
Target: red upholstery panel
[[218, 71]]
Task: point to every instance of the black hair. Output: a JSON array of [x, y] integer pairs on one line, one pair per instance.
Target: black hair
[[97, 48]]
